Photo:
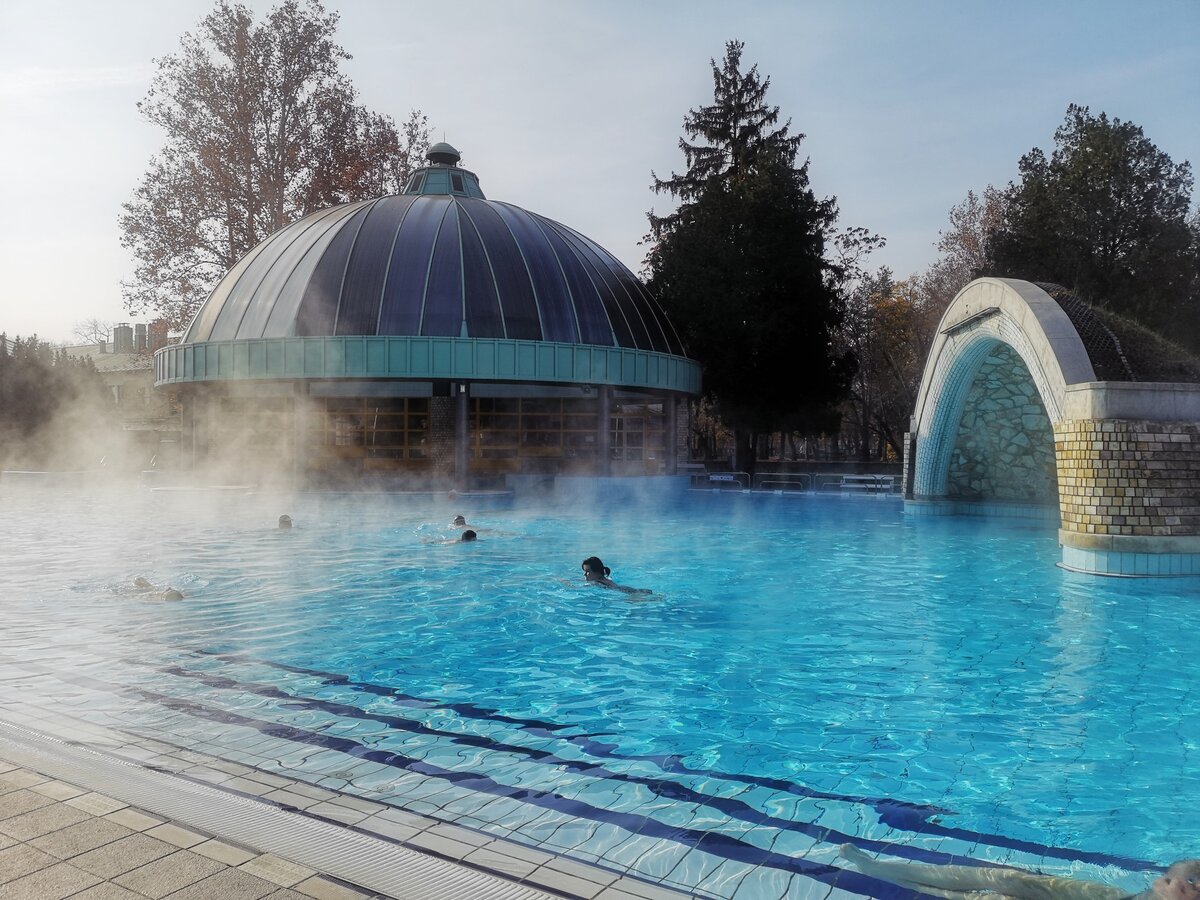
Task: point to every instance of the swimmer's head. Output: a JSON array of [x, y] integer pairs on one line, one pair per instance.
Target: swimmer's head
[[142, 583], [285, 521], [469, 535], [459, 520], [594, 568], [171, 594], [1181, 881]]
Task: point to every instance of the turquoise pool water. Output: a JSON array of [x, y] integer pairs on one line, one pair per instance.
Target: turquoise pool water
[[809, 671]]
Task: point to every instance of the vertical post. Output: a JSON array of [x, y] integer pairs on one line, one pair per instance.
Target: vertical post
[[301, 433], [462, 437], [604, 431], [670, 450]]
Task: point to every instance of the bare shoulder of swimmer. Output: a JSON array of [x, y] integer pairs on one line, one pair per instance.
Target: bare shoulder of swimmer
[[172, 594]]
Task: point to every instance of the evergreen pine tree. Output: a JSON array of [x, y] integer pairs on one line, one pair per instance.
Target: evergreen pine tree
[[741, 266]]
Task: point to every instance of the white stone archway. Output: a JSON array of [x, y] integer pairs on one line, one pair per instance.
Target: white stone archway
[[987, 314]]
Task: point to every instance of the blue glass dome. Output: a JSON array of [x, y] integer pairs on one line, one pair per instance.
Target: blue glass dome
[[438, 260]]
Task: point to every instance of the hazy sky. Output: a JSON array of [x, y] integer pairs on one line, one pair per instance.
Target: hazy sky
[[565, 108]]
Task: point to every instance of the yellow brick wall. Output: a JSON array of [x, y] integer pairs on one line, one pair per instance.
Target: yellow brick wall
[[1128, 477]]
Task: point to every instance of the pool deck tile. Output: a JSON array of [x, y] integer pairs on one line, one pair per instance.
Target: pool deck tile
[[51, 883], [118, 851]]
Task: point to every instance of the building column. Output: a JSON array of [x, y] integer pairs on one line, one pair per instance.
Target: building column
[[1129, 496], [604, 431], [670, 450], [302, 414], [462, 437]]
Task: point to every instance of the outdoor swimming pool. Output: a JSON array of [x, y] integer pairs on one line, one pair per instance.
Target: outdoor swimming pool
[[810, 671]]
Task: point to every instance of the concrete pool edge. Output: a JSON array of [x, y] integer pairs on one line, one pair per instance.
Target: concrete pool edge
[[378, 863]]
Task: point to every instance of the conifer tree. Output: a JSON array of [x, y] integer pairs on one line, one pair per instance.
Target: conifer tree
[[742, 269]]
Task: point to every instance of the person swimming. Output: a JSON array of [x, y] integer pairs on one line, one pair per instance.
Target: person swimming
[[468, 535], [459, 522], [285, 521], [141, 585], [1181, 881], [596, 572]]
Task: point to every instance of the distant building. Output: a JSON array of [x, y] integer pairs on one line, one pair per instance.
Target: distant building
[[431, 336], [149, 416]]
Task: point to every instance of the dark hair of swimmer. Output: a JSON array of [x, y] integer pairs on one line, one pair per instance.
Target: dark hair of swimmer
[[459, 520], [285, 521], [469, 535], [594, 568]]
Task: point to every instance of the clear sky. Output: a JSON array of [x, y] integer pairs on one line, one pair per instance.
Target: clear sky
[[565, 107]]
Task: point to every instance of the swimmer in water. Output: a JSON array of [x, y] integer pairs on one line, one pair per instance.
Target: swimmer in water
[[1180, 882], [596, 572], [468, 535], [459, 522], [141, 585], [285, 521]]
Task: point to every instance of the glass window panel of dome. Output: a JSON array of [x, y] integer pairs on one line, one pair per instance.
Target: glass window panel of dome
[[662, 336], [437, 181], [456, 183], [513, 286], [362, 288], [404, 291], [550, 288], [630, 304], [480, 302], [414, 183], [271, 293], [200, 328], [590, 315], [443, 313], [281, 319], [605, 287], [318, 309]]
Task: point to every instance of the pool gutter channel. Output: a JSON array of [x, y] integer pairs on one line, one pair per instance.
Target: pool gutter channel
[[330, 849]]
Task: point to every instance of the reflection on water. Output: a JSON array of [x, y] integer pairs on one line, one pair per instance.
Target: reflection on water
[[829, 644]]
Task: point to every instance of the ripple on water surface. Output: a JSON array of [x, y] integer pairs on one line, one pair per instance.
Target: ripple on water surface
[[831, 644]]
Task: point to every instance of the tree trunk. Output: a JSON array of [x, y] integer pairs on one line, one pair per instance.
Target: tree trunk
[[743, 459]]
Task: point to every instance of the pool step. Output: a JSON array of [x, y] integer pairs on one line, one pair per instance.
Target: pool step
[[535, 782]]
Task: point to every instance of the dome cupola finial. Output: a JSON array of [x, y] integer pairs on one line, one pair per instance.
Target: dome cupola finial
[[442, 154]]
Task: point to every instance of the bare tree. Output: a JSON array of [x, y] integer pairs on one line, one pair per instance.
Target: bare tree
[[262, 128], [92, 331]]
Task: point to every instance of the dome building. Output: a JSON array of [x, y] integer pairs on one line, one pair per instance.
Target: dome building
[[434, 336]]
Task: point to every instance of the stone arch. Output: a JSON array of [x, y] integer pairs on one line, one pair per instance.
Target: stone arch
[[991, 321]]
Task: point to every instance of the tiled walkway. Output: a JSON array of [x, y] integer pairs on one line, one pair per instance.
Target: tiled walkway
[[59, 840]]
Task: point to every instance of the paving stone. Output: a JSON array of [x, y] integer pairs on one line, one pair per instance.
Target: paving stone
[[107, 891], [287, 894], [230, 884], [19, 861], [52, 883], [22, 801], [223, 852], [122, 856], [96, 804], [42, 821], [134, 819], [18, 779], [498, 862], [174, 834], [57, 790], [324, 889], [171, 873], [75, 839], [279, 871]]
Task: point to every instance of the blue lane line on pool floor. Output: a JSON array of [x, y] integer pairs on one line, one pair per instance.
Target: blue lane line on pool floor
[[668, 790], [898, 814], [714, 843]]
